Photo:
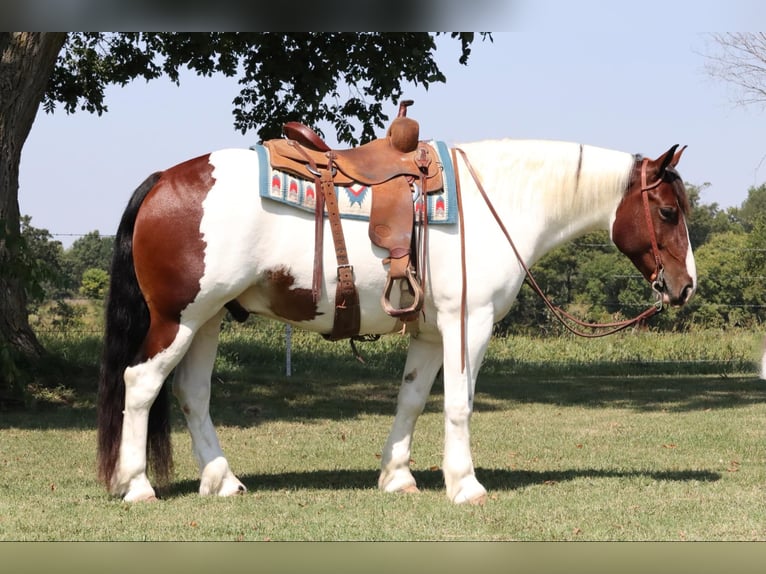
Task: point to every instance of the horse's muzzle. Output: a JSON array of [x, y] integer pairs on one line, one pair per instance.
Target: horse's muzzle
[[680, 299]]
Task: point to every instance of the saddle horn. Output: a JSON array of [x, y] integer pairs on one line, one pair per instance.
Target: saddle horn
[[404, 132]]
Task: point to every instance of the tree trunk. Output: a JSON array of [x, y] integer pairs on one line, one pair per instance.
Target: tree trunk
[[27, 60]]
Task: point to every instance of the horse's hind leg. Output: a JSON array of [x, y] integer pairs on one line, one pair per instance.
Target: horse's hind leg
[[143, 382], [423, 362], [191, 385]]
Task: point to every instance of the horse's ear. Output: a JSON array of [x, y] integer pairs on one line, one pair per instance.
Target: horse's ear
[[677, 157], [666, 159]]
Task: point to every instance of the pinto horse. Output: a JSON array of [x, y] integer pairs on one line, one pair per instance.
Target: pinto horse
[[198, 238]]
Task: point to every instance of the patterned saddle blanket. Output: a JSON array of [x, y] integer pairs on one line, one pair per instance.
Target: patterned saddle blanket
[[354, 200]]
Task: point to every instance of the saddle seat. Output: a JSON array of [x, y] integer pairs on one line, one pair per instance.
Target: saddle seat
[[399, 153]]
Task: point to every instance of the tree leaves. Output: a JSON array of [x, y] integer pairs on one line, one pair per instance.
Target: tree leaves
[[341, 78]]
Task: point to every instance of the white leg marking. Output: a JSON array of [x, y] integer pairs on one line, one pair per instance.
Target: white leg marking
[[191, 385], [459, 476], [142, 384], [423, 362]]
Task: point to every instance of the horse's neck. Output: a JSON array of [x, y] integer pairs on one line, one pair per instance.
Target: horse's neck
[[554, 191]]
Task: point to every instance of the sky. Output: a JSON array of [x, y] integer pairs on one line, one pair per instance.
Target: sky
[[625, 76]]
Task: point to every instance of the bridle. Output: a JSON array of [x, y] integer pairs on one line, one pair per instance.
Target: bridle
[[657, 278]]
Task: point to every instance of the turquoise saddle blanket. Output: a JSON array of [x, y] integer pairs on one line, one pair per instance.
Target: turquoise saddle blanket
[[354, 201]]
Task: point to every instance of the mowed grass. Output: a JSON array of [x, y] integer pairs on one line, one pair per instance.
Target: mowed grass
[[638, 437]]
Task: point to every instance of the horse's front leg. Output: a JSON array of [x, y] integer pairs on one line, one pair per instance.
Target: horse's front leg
[[459, 476], [191, 385], [424, 359]]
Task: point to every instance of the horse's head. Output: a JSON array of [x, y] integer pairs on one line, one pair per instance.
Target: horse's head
[[650, 227]]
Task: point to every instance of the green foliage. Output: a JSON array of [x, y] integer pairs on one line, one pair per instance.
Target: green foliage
[[66, 316], [337, 77], [727, 287], [36, 259], [755, 253], [91, 251], [753, 209], [95, 283], [708, 219]]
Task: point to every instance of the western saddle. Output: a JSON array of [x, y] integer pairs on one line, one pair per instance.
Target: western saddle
[[394, 166]]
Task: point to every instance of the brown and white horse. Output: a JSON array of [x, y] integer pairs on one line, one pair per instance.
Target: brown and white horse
[[199, 236]]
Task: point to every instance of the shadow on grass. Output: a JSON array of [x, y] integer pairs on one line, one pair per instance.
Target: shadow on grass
[[250, 387], [496, 480], [254, 401], [310, 399], [630, 390]]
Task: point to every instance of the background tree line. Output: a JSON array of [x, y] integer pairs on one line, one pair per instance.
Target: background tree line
[[589, 277]]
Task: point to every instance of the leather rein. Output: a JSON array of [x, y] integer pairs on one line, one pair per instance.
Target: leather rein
[[562, 316]]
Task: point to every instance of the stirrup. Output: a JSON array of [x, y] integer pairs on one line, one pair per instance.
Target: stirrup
[[416, 290]]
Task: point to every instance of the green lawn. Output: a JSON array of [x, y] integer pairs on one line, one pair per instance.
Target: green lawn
[[639, 437]]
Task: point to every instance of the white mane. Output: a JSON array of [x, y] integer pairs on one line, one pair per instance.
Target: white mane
[[559, 179], [550, 192]]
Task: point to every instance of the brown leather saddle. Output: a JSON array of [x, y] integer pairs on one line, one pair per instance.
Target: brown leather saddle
[[393, 166]]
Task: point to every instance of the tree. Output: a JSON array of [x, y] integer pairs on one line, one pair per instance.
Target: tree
[[728, 295], [707, 219], [340, 78], [742, 62], [283, 76], [95, 283], [91, 251], [41, 262], [753, 208], [28, 60]]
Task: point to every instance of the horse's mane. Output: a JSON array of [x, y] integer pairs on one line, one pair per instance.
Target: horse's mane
[[559, 177]]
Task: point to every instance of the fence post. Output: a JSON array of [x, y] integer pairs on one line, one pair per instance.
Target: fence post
[[288, 349]]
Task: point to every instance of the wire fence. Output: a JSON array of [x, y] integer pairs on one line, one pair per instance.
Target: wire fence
[[592, 245]]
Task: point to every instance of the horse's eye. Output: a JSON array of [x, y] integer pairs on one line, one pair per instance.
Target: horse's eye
[[669, 214]]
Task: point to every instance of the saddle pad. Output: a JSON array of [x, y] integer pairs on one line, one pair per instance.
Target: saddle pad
[[354, 201]]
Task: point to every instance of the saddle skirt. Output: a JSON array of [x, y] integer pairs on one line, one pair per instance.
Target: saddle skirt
[[354, 198]]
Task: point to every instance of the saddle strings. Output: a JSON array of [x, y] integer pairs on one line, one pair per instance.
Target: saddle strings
[[557, 311]]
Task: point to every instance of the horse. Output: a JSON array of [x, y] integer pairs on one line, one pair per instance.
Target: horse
[[197, 239]]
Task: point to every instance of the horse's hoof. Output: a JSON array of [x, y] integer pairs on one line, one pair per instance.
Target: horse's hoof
[[472, 493], [411, 489], [480, 500], [149, 498]]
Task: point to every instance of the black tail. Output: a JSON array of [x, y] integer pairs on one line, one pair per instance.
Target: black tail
[[127, 323]]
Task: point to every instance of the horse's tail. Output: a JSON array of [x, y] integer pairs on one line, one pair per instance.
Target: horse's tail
[[127, 323]]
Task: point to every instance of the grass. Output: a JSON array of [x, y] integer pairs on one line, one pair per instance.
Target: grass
[[638, 437]]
